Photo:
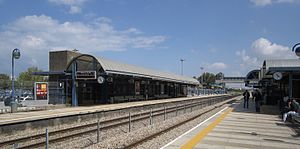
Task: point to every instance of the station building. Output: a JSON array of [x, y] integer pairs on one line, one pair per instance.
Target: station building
[[88, 80], [276, 79]]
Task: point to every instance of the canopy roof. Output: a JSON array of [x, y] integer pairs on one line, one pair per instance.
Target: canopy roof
[[282, 65], [113, 67], [253, 75]]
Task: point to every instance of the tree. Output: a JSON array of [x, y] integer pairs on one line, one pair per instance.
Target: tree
[[4, 76], [27, 75], [4, 81], [208, 79], [219, 76], [26, 79]]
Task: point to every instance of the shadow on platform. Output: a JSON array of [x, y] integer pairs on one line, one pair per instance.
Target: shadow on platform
[[264, 109], [271, 110]]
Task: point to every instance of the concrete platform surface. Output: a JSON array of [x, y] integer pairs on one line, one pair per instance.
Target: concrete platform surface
[[10, 118], [239, 129]]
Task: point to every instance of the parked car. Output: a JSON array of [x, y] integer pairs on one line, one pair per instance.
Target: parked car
[[28, 97]]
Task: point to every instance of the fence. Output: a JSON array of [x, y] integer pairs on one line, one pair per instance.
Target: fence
[[198, 92], [24, 92]]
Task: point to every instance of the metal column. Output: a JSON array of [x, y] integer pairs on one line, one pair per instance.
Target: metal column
[[290, 85], [74, 92]]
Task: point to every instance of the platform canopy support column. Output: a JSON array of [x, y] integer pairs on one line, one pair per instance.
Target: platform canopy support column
[[290, 85], [74, 92]]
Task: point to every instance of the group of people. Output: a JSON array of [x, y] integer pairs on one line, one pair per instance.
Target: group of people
[[291, 107], [257, 98]]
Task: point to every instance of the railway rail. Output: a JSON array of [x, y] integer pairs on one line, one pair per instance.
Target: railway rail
[[154, 135], [35, 141]]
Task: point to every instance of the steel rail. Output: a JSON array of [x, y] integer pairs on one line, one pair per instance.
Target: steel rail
[[150, 137], [124, 120]]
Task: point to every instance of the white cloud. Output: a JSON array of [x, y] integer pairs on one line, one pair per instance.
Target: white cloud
[[217, 65], [36, 35], [246, 58], [262, 3], [262, 49], [268, 50], [74, 5]]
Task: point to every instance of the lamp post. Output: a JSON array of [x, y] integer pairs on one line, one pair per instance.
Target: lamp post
[[16, 54], [202, 75], [182, 60]]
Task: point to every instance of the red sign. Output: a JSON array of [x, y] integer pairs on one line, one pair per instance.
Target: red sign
[[41, 90]]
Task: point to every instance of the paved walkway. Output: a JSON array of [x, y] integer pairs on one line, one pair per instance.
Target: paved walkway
[[239, 128]]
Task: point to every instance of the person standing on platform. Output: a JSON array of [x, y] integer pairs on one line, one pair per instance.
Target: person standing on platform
[[246, 95], [257, 98]]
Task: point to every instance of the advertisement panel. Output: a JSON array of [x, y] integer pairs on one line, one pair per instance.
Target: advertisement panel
[[41, 90], [137, 88]]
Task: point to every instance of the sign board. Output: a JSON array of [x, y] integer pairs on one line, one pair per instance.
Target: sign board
[[41, 91], [85, 75]]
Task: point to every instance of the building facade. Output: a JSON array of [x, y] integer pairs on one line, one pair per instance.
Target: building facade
[[89, 80], [277, 79]]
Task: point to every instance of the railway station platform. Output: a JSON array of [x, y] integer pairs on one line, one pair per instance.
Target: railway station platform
[[237, 128], [21, 117]]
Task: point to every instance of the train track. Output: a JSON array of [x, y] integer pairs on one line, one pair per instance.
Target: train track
[[64, 134], [154, 135]]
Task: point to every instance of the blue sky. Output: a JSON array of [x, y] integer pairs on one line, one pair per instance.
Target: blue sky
[[232, 36]]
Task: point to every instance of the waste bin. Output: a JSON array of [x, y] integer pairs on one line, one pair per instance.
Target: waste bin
[[14, 107]]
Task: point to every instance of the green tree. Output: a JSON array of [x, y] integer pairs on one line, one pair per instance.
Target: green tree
[[208, 79], [4, 81], [26, 79], [219, 76], [27, 75]]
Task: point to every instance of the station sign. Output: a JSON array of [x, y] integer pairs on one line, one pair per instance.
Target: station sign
[[41, 91], [86, 75]]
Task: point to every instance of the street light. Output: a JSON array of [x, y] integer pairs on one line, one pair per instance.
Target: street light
[[182, 60], [16, 54], [202, 75]]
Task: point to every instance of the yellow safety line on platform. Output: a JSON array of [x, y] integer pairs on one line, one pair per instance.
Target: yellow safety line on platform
[[195, 140]]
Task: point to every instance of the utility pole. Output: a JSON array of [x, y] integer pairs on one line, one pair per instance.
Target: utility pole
[[182, 60], [202, 75]]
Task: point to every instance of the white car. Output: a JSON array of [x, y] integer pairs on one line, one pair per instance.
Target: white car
[[26, 98]]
